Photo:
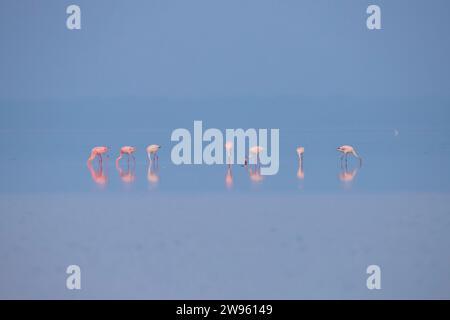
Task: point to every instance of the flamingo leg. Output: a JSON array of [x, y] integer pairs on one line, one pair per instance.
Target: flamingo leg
[[342, 160], [155, 160], [118, 159]]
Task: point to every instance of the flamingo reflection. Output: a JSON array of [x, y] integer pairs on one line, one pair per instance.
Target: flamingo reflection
[[255, 175], [229, 177], [97, 175], [153, 173], [128, 175], [346, 175]]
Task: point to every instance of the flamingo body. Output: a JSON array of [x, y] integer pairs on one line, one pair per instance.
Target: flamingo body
[[152, 150], [97, 151], [346, 149], [126, 150]]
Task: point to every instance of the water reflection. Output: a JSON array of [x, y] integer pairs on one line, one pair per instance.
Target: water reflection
[[229, 177], [153, 172], [128, 175], [346, 175], [254, 170], [97, 174], [255, 175]]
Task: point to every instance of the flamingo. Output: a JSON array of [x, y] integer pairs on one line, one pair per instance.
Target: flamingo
[[300, 172], [97, 151], [126, 150], [152, 151], [346, 150], [300, 152], [254, 173], [229, 148], [254, 152]]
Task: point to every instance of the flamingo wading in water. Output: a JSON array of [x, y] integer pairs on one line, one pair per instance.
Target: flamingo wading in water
[[300, 172], [254, 153], [229, 150], [346, 150], [152, 152], [97, 151], [126, 150]]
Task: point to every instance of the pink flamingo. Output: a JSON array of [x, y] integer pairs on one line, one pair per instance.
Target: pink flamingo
[[152, 170], [300, 172], [300, 152], [228, 149], [152, 152], [126, 150], [255, 172], [346, 150], [97, 151], [254, 152]]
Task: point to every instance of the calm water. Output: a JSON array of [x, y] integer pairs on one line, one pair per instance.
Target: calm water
[[183, 233], [45, 147]]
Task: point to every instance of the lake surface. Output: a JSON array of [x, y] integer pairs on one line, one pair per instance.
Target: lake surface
[[198, 231]]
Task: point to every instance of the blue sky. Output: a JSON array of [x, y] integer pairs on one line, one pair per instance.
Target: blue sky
[[213, 49]]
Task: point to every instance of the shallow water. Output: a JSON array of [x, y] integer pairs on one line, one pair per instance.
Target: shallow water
[[190, 235], [46, 146]]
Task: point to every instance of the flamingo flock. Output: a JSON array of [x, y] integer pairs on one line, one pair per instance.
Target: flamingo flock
[[128, 175]]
